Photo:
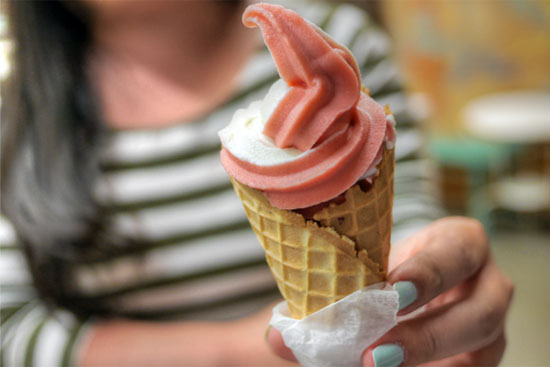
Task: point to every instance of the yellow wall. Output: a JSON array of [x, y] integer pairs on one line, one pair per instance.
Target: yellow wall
[[457, 50]]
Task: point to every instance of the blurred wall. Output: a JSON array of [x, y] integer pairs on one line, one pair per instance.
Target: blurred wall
[[454, 51]]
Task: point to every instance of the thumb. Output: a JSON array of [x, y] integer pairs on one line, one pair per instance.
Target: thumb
[[276, 343]]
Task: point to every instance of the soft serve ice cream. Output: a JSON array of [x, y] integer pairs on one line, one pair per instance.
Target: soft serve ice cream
[[313, 165], [315, 134]]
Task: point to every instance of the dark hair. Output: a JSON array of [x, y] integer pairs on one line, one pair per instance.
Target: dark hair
[[50, 138]]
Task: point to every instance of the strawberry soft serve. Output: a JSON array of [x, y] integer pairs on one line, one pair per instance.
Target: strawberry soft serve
[[320, 134]]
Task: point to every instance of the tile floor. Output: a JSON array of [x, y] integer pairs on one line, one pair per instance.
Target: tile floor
[[525, 258]]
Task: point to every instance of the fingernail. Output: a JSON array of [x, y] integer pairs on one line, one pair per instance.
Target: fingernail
[[388, 355], [407, 293]]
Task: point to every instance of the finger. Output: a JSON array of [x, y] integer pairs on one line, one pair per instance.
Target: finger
[[491, 355], [277, 345], [446, 253], [463, 326]]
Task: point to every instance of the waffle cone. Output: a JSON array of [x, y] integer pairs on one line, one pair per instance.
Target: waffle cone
[[345, 248]]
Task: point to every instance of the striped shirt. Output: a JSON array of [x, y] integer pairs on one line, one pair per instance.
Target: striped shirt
[[166, 189]]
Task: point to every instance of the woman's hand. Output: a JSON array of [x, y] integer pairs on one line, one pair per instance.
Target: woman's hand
[[446, 267]]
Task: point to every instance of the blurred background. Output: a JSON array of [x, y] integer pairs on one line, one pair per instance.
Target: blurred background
[[478, 73]]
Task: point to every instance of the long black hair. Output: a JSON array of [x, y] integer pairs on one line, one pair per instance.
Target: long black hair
[[51, 134]]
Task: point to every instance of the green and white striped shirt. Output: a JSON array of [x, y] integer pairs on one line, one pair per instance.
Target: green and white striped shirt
[[165, 188]]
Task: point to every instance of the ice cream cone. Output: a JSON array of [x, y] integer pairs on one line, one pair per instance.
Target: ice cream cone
[[366, 217], [345, 248]]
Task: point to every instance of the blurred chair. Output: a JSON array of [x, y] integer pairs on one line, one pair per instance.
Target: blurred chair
[[466, 166]]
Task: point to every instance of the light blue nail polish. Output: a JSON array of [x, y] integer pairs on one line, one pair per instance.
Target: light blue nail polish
[[388, 355], [407, 293]]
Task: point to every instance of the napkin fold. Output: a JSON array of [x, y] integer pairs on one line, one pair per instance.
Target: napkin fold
[[338, 334]]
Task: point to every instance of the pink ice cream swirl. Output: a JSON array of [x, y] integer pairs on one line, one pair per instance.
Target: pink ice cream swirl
[[324, 114]]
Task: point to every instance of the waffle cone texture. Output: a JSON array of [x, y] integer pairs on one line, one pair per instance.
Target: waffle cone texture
[[343, 249]]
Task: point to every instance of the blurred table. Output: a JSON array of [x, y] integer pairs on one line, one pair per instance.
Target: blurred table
[[510, 117], [520, 120]]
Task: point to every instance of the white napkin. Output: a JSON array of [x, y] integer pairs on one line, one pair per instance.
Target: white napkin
[[338, 334]]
